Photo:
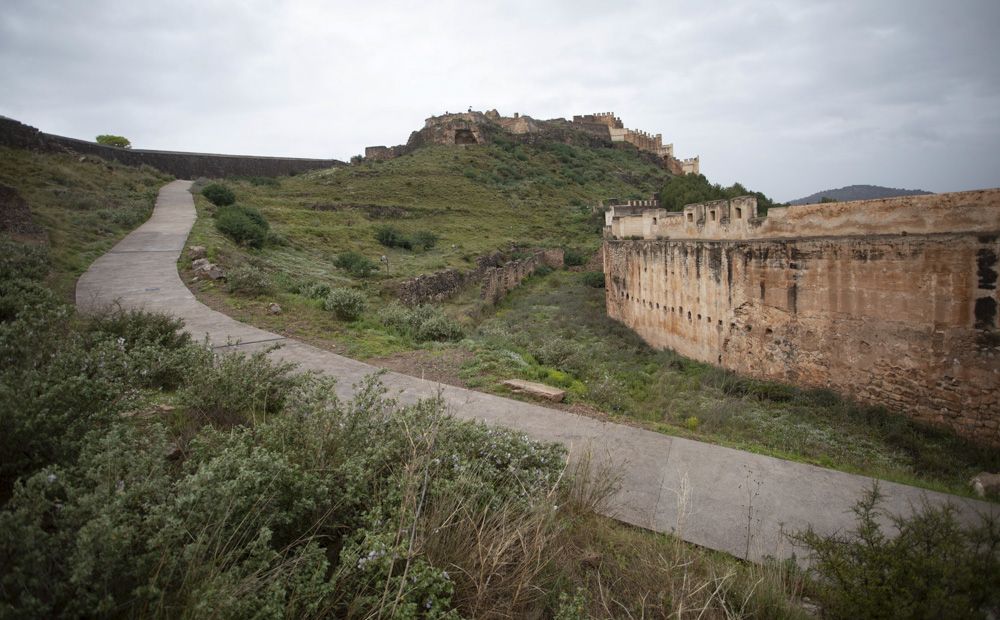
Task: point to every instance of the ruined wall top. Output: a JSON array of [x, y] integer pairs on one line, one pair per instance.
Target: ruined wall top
[[737, 218]]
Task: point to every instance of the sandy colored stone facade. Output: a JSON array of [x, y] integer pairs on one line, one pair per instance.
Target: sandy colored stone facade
[[892, 302]]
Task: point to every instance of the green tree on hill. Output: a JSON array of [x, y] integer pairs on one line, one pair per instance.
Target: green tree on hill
[[692, 188], [109, 140]]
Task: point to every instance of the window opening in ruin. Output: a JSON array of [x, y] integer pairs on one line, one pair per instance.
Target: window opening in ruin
[[699, 317], [739, 213], [689, 315], [711, 214], [654, 221], [690, 217]]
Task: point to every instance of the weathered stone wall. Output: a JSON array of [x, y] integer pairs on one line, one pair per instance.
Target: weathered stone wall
[[909, 321], [498, 281], [496, 275], [180, 164]]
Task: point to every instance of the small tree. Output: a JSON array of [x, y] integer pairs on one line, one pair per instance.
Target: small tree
[[117, 141], [934, 567]]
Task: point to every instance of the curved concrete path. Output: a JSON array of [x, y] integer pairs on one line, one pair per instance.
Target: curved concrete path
[[709, 495]]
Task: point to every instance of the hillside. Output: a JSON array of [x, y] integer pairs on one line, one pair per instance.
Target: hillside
[[77, 207], [857, 192], [223, 486], [477, 199]]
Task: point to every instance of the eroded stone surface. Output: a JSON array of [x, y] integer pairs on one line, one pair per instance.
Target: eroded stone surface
[[907, 321]]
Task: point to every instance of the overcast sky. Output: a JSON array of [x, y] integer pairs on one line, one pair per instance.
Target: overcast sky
[[788, 96]]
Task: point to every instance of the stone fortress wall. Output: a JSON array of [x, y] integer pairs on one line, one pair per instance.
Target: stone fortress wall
[[182, 165], [893, 301], [642, 140]]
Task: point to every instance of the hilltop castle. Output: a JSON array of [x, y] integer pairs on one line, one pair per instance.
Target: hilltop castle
[[473, 127]]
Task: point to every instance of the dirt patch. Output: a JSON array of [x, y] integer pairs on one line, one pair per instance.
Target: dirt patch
[[440, 366]]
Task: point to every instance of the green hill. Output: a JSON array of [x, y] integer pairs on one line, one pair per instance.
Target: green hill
[[474, 199], [857, 192]]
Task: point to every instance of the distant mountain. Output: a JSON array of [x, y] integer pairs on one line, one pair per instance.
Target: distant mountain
[[858, 192]]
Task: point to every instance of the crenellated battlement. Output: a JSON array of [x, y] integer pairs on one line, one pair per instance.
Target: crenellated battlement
[[737, 218], [642, 140]]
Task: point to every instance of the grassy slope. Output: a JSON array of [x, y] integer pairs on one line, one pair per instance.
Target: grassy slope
[[555, 329], [477, 199], [84, 207]]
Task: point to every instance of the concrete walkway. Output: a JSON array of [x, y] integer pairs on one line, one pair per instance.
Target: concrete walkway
[[712, 496]]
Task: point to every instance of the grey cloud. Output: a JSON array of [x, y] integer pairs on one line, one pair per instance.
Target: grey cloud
[[787, 97]]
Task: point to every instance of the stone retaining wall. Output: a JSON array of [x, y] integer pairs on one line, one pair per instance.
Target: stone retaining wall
[[496, 275], [182, 165]]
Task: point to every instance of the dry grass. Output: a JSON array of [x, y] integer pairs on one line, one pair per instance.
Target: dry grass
[[513, 562]]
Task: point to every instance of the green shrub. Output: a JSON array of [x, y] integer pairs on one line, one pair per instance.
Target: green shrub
[[244, 225], [934, 568], [218, 194], [594, 279], [22, 260], [60, 380], [140, 327], [235, 388], [542, 270], [440, 328], [425, 239], [314, 290], [248, 280], [392, 237], [356, 264], [348, 304], [423, 322], [574, 258]]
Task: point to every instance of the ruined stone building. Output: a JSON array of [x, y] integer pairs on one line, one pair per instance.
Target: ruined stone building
[[464, 128], [892, 301]]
